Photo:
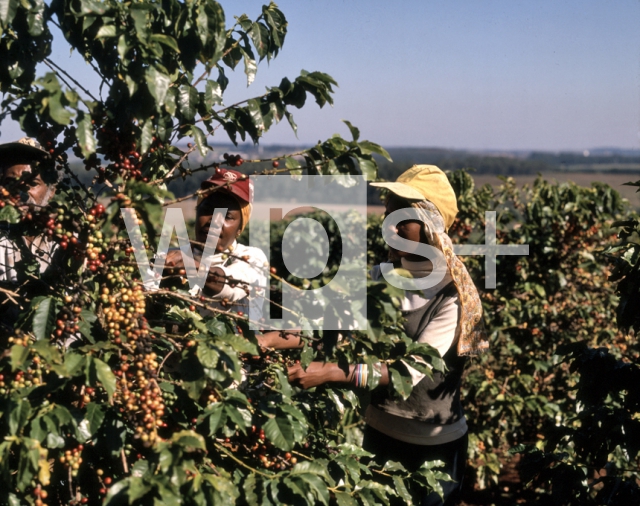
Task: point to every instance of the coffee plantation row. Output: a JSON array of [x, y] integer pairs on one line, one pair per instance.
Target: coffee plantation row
[[113, 394]]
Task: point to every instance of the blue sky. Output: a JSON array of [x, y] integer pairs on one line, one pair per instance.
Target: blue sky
[[483, 74]]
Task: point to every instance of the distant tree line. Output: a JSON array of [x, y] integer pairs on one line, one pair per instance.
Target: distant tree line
[[505, 164]]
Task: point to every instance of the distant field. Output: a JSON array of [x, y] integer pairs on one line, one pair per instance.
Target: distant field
[[582, 178]]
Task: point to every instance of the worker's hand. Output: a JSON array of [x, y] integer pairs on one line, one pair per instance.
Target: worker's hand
[[174, 259], [316, 374]]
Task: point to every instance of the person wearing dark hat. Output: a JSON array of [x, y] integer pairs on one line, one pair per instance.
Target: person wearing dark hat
[[19, 176], [237, 277]]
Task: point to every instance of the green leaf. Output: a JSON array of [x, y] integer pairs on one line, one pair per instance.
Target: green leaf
[[402, 384], [115, 490], [123, 46], [55, 440], [19, 354], [345, 499], [200, 139], [194, 388], [137, 488], [106, 31], [86, 141], [36, 19], [19, 412], [105, 376], [368, 148], [189, 439], [8, 9], [140, 18], [146, 137], [94, 416], [74, 363], [212, 94], [253, 106], [10, 214], [132, 84], [401, 490], [158, 85], [44, 317], [249, 487], [166, 40], [57, 110], [217, 417], [292, 123], [250, 67], [369, 168], [279, 431], [355, 132], [188, 99], [170, 101], [207, 355]]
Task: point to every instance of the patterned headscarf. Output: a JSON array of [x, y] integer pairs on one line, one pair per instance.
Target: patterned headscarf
[[472, 336]]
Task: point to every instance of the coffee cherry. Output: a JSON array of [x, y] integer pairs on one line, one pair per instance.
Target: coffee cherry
[[276, 164]]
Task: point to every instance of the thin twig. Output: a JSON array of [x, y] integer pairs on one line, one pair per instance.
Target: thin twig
[[163, 361], [10, 294], [52, 64], [125, 465], [229, 454]]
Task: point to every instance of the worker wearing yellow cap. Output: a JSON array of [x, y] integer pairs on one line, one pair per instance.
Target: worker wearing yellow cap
[[430, 424]]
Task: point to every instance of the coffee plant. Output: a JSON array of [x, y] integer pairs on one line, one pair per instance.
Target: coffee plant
[[593, 458], [113, 394], [558, 383], [558, 375]]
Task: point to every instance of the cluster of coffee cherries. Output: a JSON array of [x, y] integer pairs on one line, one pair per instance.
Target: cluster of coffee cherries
[[233, 160], [209, 396], [53, 224], [124, 308], [72, 459], [6, 197], [460, 229], [139, 395], [96, 250], [256, 446], [40, 495], [121, 149], [21, 379], [67, 319], [47, 137]]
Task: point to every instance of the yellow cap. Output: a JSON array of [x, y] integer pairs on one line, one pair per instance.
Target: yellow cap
[[426, 182]]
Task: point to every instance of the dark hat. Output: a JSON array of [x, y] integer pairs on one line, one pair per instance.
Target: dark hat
[[235, 183], [27, 147]]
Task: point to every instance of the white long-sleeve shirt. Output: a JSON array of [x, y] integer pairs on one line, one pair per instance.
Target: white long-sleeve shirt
[[10, 255], [252, 273]]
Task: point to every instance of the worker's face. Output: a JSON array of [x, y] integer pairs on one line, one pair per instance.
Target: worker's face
[[36, 188], [412, 230], [228, 225]]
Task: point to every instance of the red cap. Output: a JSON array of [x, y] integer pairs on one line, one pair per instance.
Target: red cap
[[235, 182]]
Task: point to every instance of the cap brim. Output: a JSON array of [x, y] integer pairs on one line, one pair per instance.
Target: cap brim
[[23, 149], [401, 190], [226, 187]]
